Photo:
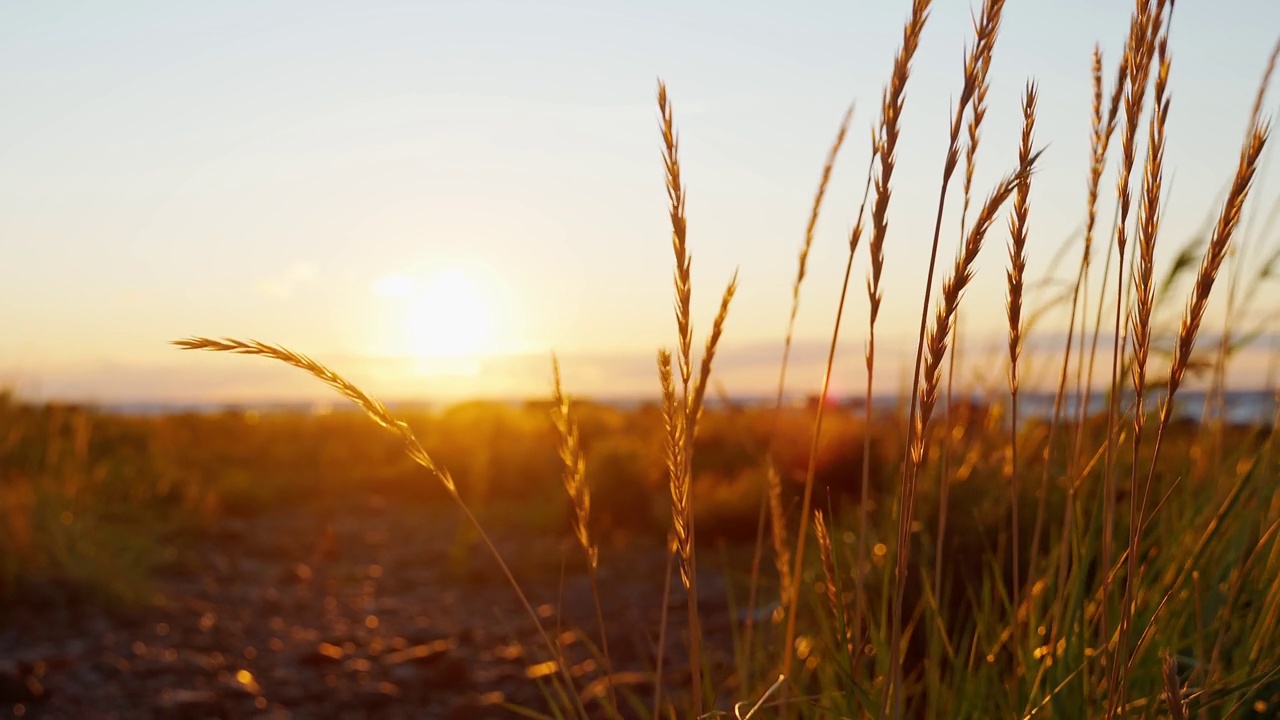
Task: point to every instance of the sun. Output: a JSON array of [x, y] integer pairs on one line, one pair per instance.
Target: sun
[[450, 317], [446, 321]]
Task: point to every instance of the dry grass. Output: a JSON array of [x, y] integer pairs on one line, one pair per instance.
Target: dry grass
[[682, 412], [1018, 232], [885, 143], [1215, 254], [776, 517], [778, 531], [377, 412], [826, 557], [1140, 318], [986, 30], [790, 603], [575, 484], [1033, 637], [575, 468], [371, 407]]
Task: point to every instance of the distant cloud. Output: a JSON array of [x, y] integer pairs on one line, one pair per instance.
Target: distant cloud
[[287, 282]]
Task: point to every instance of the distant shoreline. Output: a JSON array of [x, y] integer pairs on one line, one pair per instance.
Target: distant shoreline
[[1252, 407]]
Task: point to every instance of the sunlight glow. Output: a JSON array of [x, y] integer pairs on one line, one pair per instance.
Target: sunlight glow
[[445, 321]]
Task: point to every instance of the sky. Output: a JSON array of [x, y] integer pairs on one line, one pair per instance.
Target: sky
[[431, 197]]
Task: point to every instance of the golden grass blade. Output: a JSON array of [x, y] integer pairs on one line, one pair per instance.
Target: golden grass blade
[[827, 559], [884, 142], [704, 369], [692, 390], [827, 167], [773, 487], [1133, 74], [1018, 231], [673, 421], [1140, 326], [575, 468], [986, 29], [1143, 31], [1099, 142], [374, 409], [575, 484], [379, 414], [679, 239], [772, 502], [952, 291], [806, 501], [1215, 254], [778, 521]]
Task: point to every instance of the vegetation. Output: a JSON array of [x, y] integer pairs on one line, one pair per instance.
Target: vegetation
[[967, 561]]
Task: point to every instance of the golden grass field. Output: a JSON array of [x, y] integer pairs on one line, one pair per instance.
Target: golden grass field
[[962, 560]]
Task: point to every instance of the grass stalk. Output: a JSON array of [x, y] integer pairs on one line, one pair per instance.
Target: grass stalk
[[884, 148], [986, 31], [1018, 233], [378, 412], [772, 501], [682, 413], [575, 484]]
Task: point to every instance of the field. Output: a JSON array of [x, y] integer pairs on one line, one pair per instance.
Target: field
[[167, 520], [954, 553]]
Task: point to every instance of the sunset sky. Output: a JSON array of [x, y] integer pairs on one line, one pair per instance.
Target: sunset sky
[[431, 196]]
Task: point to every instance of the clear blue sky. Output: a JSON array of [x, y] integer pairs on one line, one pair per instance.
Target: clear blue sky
[[321, 174]]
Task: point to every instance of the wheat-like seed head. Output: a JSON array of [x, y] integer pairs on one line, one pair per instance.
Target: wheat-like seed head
[[885, 142], [1139, 51], [986, 27], [575, 468], [977, 112], [1098, 140], [679, 237], [1148, 226], [673, 421], [1216, 253], [1103, 128], [773, 489], [828, 564], [827, 168], [778, 531], [1224, 229], [986, 30], [1018, 232], [708, 356], [374, 409], [952, 290]]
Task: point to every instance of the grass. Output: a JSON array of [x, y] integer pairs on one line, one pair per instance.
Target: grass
[[1146, 584]]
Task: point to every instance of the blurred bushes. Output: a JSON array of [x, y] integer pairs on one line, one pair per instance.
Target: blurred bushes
[[126, 480], [72, 522]]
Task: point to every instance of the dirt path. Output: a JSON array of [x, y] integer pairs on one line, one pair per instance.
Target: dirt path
[[265, 620]]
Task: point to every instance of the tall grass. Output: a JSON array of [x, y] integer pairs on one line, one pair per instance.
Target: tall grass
[[378, 413], [1180, 620]]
